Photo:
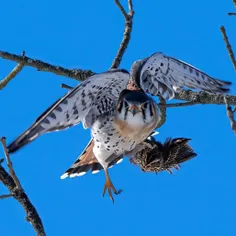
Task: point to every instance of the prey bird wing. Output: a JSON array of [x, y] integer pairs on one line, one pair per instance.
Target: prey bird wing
[[90, 99], [164, 75]]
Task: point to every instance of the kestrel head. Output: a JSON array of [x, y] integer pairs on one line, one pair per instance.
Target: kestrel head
[[136, 107]]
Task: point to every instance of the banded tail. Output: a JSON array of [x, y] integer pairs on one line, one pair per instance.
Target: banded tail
[[87, 161]]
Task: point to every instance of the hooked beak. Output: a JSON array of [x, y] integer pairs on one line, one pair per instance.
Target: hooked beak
[[134, 110]]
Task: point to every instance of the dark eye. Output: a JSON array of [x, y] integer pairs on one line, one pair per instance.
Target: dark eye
[[144, 105]]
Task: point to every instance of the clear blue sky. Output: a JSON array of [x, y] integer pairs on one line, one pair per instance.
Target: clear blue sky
[[197, 200]]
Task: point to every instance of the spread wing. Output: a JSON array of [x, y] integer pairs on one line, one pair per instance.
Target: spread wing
[[161, 74], [90, 99]]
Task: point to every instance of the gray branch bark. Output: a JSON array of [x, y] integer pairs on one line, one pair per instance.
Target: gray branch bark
[[22, 198], [77, 74], [127, 33], [13, 184], [81, 75]]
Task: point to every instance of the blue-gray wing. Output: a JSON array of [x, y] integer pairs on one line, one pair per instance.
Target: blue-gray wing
[[161, 74], [90, 99]]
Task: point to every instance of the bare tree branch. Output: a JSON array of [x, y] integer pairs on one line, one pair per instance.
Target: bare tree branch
[[9, 163], [162, 116], [232, 14], [15, 189], [234, 2], [205, 97], [122, 10], [170, 105], [46, 67], [228, 46], [11, 75], [230, 111], [230, 114], [65, 86], [127, 33], [6, 196], [130, 5], [174, 105], [78, 74]]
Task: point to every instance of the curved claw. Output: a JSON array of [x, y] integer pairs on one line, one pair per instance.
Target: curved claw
[[110, 187]]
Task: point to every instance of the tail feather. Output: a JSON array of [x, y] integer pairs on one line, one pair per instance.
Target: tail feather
[[96, 167], [87, 161]]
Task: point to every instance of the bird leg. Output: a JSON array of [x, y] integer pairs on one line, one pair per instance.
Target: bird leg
[[109, 186]]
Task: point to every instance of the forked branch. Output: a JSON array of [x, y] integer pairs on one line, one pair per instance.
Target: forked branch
[[230, 113], [127, 33], [13, 184], [12, 74], [228, 46]]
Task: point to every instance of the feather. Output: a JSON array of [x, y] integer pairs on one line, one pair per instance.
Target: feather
[[87, 161], [90, 99], [156, 157], [164, 75]]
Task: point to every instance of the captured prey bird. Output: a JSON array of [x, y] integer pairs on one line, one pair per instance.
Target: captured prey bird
[[117, 109], [157, 157]]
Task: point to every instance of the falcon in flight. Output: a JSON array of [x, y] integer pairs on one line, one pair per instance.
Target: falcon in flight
[[115, 106]]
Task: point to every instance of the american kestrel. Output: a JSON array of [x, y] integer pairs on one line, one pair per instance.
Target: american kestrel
[[114, 104]]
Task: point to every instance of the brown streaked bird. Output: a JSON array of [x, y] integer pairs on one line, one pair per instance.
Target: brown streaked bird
[[114, 104], [157, 157]]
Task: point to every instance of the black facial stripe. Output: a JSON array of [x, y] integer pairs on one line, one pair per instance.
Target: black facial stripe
[[144, 114], [126, 104], [119, 107], [151, 109], [126, 112]]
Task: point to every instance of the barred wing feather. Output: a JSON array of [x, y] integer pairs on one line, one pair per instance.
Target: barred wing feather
[[161, 74], [91, 98]]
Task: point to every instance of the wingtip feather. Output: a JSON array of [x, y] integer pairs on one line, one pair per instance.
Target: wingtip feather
[[65, 175]]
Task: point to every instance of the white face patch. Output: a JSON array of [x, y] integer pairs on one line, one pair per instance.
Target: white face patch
[[136, 120]]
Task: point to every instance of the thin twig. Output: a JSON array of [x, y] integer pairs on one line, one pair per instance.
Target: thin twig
[[122, 10], [68, 87], [234, 2], [130, 5], [181, 104], [20, 195], [228, 46], [170, 105], [77, 74], [232, 14], [205, 97], [6, 196], [9, 163], [127, 33], [230, 114], [162, 116], [12, 74]]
